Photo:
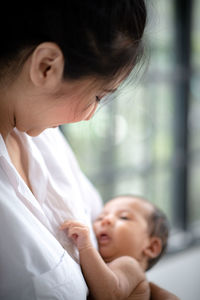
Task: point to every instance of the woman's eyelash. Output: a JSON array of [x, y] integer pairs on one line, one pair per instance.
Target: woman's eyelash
[[98, 99]]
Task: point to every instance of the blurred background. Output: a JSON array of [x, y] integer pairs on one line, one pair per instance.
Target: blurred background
[[146, 139]]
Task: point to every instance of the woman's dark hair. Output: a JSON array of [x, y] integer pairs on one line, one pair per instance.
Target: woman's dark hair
[[98, 38]]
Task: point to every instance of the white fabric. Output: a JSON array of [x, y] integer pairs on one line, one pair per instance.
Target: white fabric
[[34, 263]]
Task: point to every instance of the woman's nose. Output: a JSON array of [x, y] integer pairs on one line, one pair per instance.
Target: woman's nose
[[91, 113]]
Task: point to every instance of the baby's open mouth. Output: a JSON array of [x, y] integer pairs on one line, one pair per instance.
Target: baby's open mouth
[[103, 238]]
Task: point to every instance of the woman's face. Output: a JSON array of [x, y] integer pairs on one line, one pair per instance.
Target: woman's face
[[74, 101]]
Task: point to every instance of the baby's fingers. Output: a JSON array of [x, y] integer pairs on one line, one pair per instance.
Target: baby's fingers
[[69, 224], [80, 236], [65, 225], [78, 232], [73, 233]]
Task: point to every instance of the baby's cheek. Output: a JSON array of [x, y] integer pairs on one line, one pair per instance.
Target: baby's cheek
[[123, 234]]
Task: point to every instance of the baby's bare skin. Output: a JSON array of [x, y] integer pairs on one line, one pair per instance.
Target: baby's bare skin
[[117, 269], [122, 278]]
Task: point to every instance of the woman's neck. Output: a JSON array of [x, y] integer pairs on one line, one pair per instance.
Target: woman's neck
[[7, 116]]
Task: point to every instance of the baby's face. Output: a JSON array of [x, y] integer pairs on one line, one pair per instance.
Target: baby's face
[[122, 228]]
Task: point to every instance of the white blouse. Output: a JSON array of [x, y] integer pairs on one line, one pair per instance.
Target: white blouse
[[37, 261]]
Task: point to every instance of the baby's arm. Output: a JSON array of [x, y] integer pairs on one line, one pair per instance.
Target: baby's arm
[[115, 280]]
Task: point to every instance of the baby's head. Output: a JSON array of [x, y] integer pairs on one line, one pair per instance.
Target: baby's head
[[131, 226]]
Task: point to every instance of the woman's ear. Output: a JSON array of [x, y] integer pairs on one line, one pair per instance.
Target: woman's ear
[[46, 66], [154, 247]]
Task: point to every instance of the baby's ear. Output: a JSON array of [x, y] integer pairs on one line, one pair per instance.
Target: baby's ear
[[154, 248]]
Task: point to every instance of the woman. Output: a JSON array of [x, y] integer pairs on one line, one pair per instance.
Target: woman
[[56, 63]]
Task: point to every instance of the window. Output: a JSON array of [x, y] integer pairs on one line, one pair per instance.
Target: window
[[146, 141], [194, 124]]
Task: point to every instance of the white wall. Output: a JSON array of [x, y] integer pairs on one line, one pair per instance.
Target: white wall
[[179, 274]]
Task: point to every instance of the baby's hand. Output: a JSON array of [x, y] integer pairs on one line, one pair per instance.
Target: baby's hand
[[79, 233]]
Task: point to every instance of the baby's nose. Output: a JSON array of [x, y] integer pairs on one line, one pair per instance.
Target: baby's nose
[[107, 220]]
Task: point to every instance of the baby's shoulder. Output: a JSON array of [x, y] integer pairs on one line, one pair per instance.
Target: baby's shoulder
[[132, 270], [126, 261], [128, 265]]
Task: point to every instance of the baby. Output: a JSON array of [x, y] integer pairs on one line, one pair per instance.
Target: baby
[[132, 236]]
